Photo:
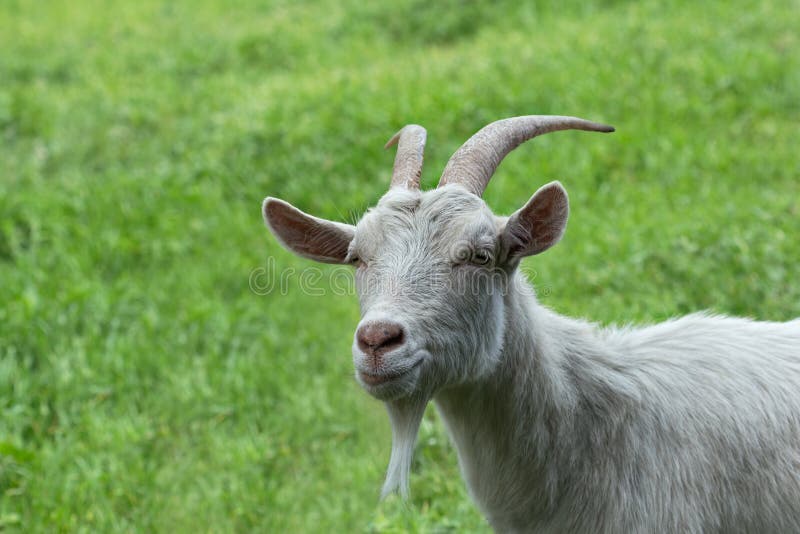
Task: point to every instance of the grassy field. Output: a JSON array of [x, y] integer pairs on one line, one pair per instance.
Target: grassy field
[[146, 388]]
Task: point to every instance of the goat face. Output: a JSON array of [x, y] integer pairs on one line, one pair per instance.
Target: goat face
[[431, 272], [432, 267], [430, 293]]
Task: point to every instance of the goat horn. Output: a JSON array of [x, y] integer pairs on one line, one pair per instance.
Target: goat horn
[[475, 162], [408, 161]]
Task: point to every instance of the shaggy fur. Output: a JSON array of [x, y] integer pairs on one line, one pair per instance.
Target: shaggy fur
[[692, 425], [688, 426]]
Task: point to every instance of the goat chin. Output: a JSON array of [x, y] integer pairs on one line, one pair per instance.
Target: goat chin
[[405, 415]]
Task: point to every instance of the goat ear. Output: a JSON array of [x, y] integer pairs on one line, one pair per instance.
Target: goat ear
[[306, 235], [539, 224]]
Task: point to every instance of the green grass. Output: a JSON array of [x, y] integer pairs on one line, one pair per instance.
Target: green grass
[[145, 388]]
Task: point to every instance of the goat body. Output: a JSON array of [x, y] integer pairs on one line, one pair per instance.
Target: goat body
[[692, 425]]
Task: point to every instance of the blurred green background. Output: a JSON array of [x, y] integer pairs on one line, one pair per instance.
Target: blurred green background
[[146, 388]]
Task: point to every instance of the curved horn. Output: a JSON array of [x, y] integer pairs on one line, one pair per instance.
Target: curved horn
[[408, 161], [475, 162]]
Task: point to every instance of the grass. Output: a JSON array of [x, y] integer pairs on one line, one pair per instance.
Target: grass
[[146, 388]]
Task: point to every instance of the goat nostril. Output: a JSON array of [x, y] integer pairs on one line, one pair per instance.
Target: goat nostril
[[382, 336]]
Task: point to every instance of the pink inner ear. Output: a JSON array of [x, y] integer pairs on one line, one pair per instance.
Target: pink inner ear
[[548, 216], [305, 235], [540, 223]]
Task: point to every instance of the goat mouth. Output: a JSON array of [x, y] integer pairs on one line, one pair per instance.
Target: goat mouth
[[385, 378]]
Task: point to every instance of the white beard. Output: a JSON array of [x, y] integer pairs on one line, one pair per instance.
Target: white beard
[[405, 416]]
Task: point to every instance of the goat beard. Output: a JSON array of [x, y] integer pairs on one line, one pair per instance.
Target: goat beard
[[405, 416]]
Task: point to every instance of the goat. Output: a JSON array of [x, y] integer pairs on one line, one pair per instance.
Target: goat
[[692, 425]]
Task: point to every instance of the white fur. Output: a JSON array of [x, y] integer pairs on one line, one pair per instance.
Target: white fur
[[688, 426]]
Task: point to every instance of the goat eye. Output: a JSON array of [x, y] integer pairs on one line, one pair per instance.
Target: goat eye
[[481, 257], [355, 261]]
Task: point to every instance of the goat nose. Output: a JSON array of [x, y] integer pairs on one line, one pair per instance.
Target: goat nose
[[379, 337]]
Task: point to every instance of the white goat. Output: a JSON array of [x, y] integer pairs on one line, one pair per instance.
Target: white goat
[[692, 425]]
